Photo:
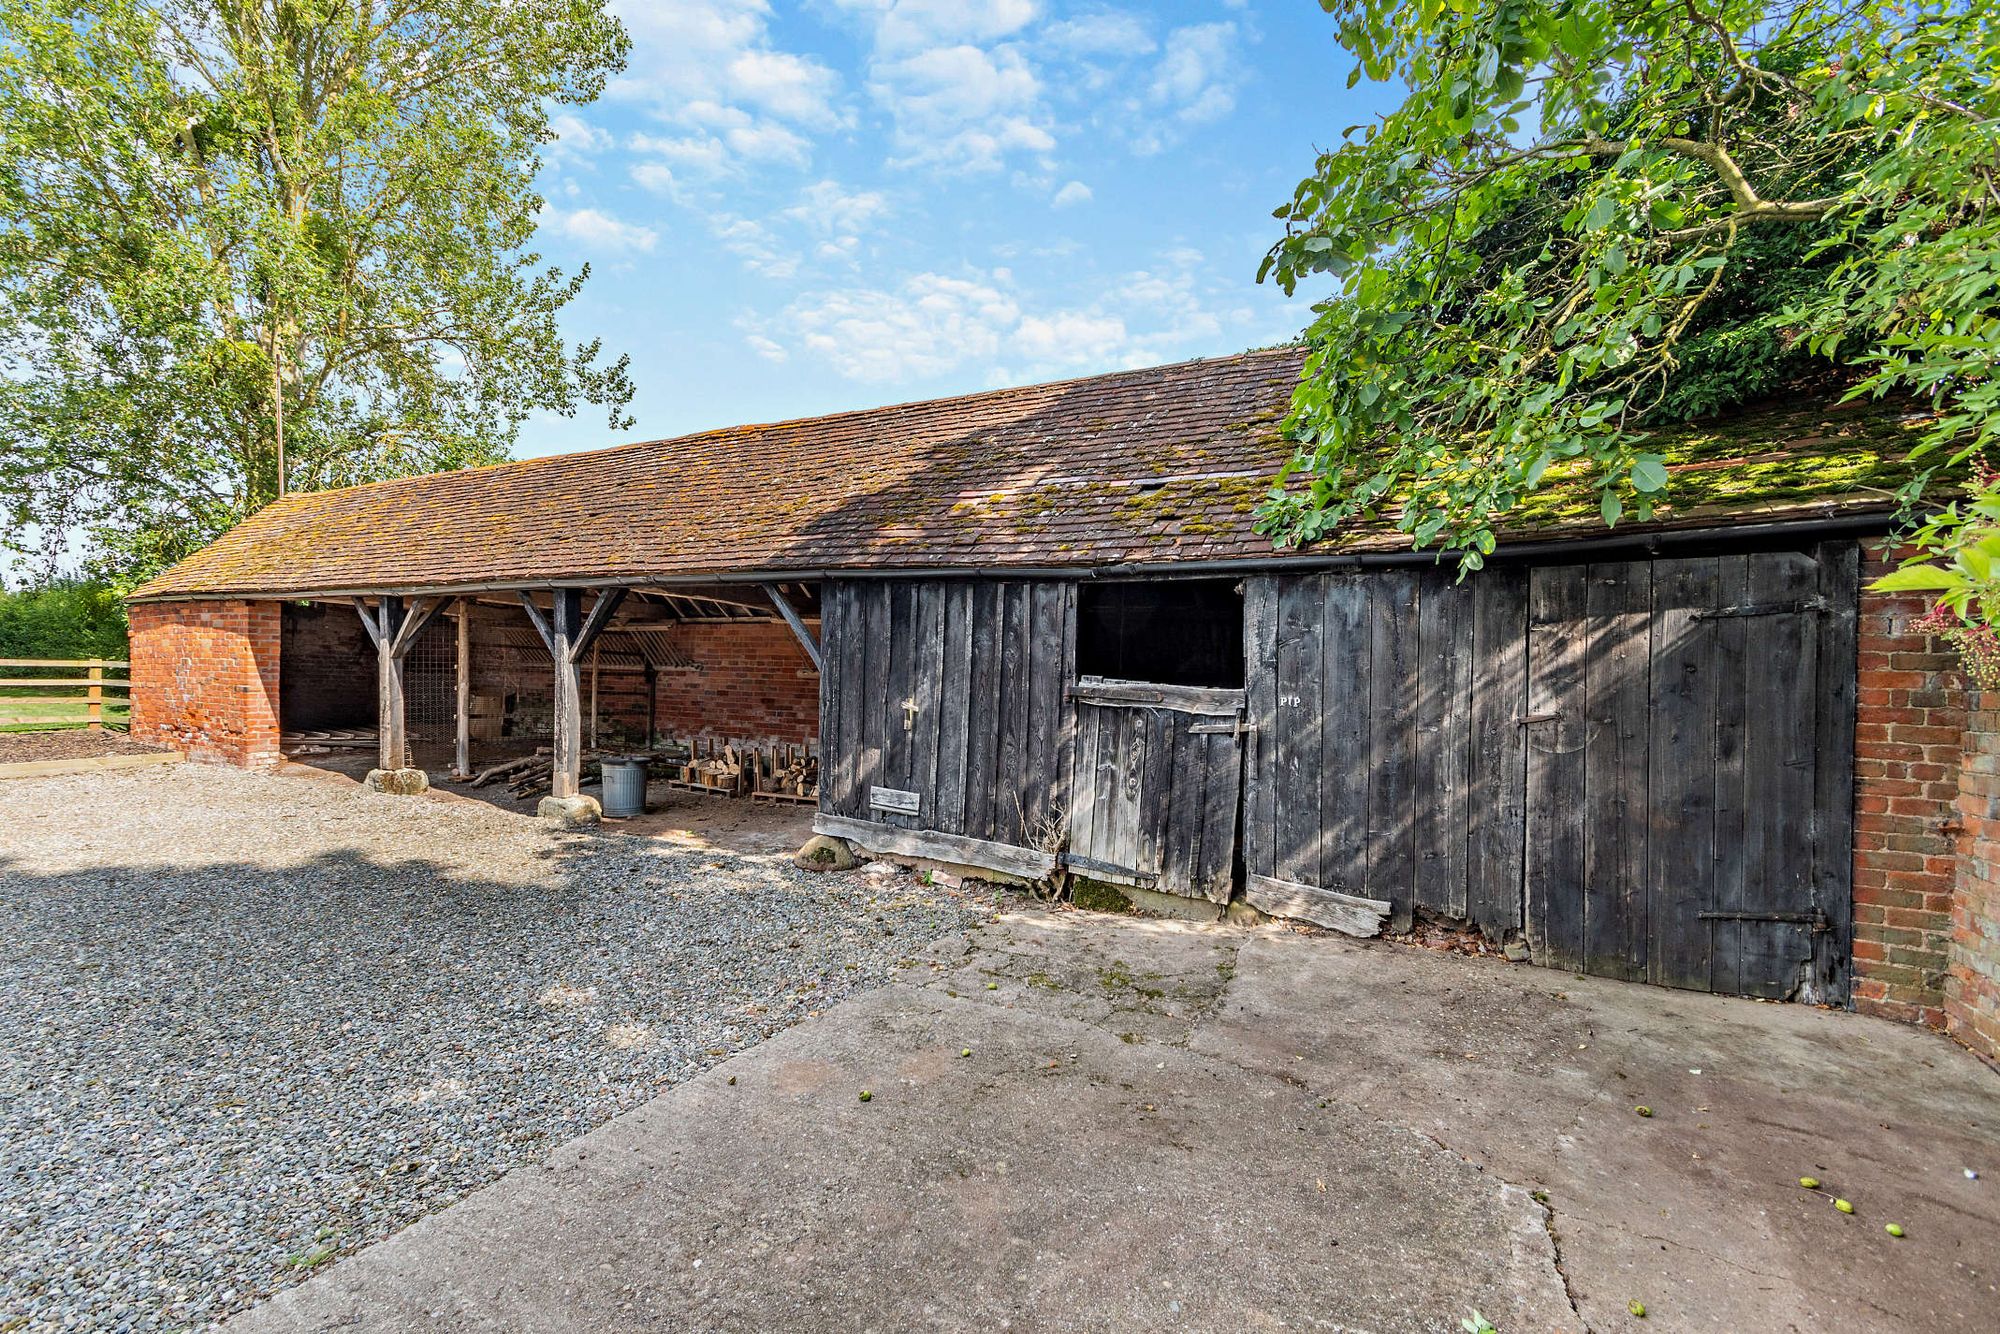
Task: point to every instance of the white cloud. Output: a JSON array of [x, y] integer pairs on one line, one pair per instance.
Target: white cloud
[[1195, 79], [1076, 192], [709, 65], [828, 206], [963, 106], [600, 231], [1108, 33], [959, 93], [928, 325], [795, 88], [913, 25], [576, 139], [1068, 337], [765, 142], [654, 176], [752, 242], [931, 324]]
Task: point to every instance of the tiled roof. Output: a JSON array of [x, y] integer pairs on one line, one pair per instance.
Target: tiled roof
[[1152, 466]]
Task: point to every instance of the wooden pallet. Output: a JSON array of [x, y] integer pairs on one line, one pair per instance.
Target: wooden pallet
[[809, 799]]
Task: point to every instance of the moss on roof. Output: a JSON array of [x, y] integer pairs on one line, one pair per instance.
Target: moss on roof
[[1153, 466]]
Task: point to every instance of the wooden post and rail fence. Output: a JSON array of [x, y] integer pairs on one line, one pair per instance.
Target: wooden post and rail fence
[[93, 683]]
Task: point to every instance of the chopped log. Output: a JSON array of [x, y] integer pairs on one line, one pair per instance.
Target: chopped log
[[491, 772]]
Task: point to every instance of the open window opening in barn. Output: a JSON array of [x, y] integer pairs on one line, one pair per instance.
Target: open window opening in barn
[[1179, 632]]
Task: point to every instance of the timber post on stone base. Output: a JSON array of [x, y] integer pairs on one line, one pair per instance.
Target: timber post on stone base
[[568, 635], [393, 627]]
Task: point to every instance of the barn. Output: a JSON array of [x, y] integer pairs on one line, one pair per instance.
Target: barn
[[1033, 631]]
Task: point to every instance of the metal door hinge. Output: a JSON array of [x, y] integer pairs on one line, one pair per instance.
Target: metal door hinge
[[1815, 920], [1762, 609]]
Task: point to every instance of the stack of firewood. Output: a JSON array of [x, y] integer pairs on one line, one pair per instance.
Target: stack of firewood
[[800, 777], [723, 770]]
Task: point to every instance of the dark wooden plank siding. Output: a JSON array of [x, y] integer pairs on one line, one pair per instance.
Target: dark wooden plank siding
[[1736, 796], [1496, 839], [985, 665], [1644, 766], [1392, 794], [1444, 745], [1770, 957], [1339, 792], [1299, 721], [1833, 777], [982, 746], [1681, 774], [954, 708], [1260, 706], [1555, 729], [1618, 670]]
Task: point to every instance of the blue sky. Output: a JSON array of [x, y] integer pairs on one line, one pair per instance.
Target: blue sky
[[799, 208]]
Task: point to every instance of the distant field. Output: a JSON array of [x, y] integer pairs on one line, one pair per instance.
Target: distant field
[[45, 713]]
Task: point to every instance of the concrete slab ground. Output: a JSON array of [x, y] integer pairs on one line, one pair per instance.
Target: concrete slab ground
[[1167, 1126]]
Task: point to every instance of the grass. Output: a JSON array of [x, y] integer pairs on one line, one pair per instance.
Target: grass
[[45, 713]]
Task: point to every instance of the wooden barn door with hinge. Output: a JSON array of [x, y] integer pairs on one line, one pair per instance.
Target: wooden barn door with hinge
[[1690, 749], [1159, 770], [1645, 768]]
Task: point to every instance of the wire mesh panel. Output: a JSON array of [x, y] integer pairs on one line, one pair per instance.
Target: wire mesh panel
[[430, 679]]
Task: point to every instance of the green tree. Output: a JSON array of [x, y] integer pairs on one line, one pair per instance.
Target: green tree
[[1588, 216], [62, 618], [235, 231]]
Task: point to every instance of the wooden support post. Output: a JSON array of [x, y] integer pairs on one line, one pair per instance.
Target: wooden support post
[[567, 633], [652, 703], [777, 596], [392, 741], [394, 628], [565, 621], [462, 754], [96, 695]]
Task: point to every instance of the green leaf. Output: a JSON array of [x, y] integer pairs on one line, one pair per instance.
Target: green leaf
[[1918, 579], [1649, 473]]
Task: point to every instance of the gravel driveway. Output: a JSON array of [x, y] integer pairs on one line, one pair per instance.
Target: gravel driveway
[[249, 1023]]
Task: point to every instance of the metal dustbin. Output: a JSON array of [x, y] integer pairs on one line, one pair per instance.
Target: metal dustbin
[[624, 786]]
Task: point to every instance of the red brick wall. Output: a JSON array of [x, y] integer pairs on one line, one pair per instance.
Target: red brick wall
[[751, 680], [205, 679], [1972, 982], [1910, 718]]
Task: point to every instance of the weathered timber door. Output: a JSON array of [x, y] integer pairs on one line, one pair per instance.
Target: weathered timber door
[[1159, 772], [1644, 768], [1689, 772], [944, 731]]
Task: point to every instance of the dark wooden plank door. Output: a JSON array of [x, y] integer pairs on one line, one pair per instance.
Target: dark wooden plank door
[[1382, 765], [1642, 767], [1157, 787], [953, 691], [1690, 770]]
